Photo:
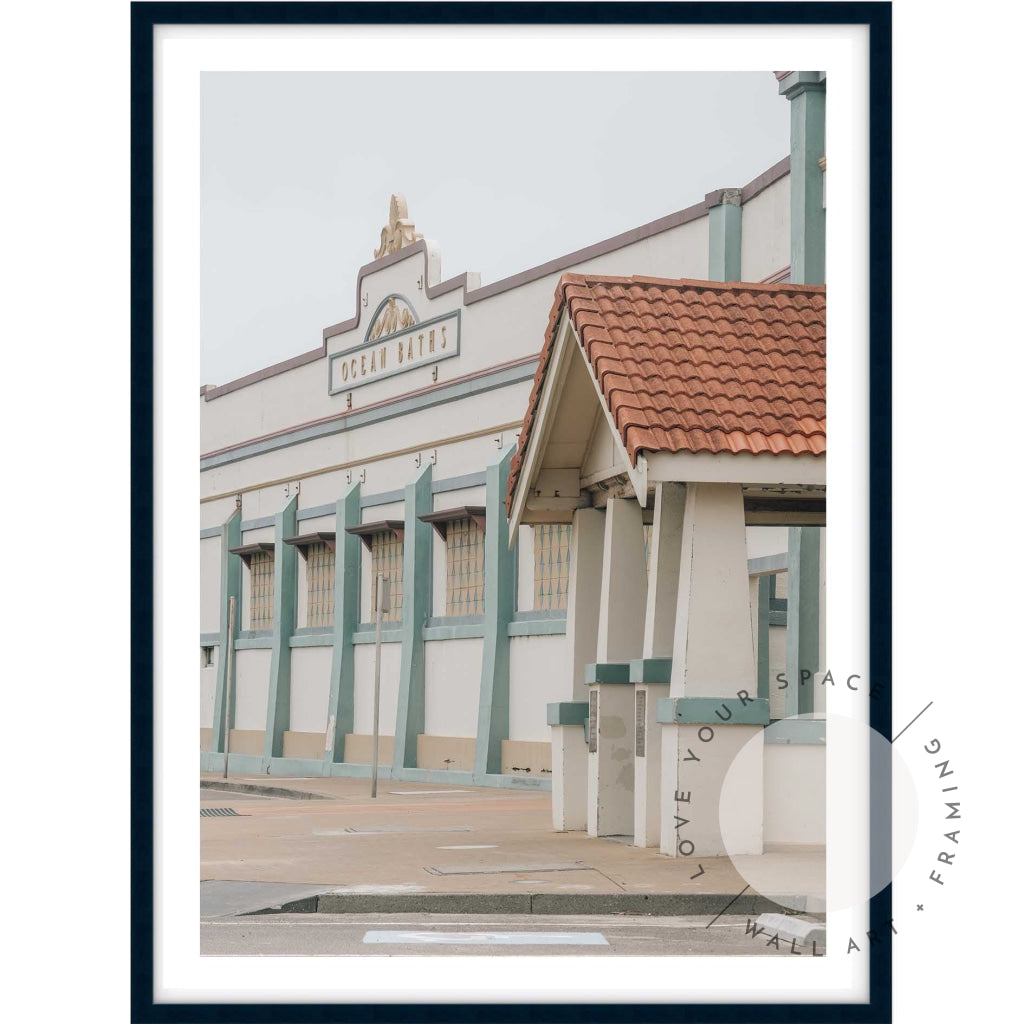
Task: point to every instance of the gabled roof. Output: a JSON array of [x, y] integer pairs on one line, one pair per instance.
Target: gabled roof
[[696, 366]]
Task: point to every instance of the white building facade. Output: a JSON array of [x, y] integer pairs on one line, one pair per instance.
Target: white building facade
[[388, 448]]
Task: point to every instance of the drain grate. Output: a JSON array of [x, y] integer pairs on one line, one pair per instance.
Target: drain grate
[[220, 812]]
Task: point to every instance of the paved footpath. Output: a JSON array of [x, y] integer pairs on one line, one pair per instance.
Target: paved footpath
[[424, 847]]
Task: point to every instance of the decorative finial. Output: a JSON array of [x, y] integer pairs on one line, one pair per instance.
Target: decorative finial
[[399, 232]]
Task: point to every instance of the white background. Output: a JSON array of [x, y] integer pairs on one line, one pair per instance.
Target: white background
[[64, 183]]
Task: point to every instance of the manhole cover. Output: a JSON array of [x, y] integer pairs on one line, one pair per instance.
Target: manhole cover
[[220, 812]]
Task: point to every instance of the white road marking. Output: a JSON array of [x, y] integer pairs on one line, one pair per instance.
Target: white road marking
[[424, 792], [492, 846], [488, 938]]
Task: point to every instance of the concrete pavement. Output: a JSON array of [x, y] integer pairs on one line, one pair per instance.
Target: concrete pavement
[[417, 840]]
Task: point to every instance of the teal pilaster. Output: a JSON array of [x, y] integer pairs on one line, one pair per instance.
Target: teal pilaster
[[802, 625], [499, 609], [279, 693], [805, 91], [764, 589], [347, 562], [230, 586], [417, 564], [725, 232]]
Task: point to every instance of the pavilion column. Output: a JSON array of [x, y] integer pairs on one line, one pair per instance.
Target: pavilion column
[[651, 673], [712, 711], [567, 718], [620, 637]]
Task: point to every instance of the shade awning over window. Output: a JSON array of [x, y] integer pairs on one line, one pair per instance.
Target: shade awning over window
[[246, 551], [440, 520], [366, 531], [305, 540]]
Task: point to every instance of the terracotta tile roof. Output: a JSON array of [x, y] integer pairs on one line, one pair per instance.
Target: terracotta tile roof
[[697, 366]]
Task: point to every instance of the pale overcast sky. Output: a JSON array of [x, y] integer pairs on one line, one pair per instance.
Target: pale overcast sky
[[502, 170]]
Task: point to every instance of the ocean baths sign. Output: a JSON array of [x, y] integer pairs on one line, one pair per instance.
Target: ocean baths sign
[[405, 349]]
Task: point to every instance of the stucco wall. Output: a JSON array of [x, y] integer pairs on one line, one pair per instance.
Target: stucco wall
[[390, 666], [794, 793], [207, 689], [538, 673], [209, 585], [311, 687], [764, 247], [252, 684], [452, 686]]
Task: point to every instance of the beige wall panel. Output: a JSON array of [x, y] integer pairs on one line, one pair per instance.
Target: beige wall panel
[[445, 753], [311, 687], [304, 744], [247, 741], [359, 749], [452, 686], [538, 674], [764, 246], [206, 739], [518, 755]]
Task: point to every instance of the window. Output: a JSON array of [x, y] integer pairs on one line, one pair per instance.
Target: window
[[464, 563], [386, 553], [319, 585], [261, 594], [206, 657], [551, 567]]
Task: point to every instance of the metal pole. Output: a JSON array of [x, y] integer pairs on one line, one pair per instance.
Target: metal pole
[[230, 677], [379, 613]]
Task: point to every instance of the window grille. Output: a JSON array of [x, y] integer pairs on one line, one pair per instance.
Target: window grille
[[319, 585], [386, 553], [551, 566], [261, 578], [464, 562]]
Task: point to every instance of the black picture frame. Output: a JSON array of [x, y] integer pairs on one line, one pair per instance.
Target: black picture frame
[[144, 18]]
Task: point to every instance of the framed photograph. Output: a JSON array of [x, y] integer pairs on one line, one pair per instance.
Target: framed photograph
[[534, 627]]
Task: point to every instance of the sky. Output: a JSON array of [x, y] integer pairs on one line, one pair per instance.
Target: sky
[[503, 170]]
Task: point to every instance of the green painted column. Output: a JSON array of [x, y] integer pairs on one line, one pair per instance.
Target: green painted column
[[499, 607], [347, 562], [230, 586], [417, 565], [279, 692], [725, 233], [805, 91], [764, 587], [802, 619]]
